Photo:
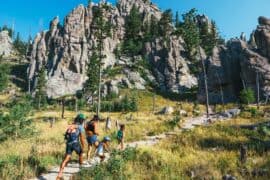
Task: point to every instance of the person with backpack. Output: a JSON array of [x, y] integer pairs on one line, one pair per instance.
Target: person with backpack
[[74, 142], [91, 130], [120, 136], [102, 147]]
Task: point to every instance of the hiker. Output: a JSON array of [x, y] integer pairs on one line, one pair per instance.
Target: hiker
[[102, 147], [74, 142], [108, 125], [91, 130], [120, 136]]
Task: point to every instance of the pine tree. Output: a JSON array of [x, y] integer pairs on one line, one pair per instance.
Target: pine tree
[[6, 28], [41, 97], [19, 45], [190, 33], [177, 20], [165, 23], [102, 30], [91, 85], [133, 41]]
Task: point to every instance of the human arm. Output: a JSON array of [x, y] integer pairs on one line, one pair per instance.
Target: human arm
[[96, 128]]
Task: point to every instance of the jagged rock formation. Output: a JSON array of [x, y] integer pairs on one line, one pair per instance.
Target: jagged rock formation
[[5, 44], [237, 65], [169, 66], [65, 49]]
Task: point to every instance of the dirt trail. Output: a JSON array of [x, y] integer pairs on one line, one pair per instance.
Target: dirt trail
[[74, 168]]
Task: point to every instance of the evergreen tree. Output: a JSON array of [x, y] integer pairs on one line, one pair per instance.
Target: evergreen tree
[[177, 20], [91, 85], [102, 30], [209, 37], [41, 97], [6, 28], [165, 23], [16, 123], [190, 33], [19, 45], [4, 76], [153, 27], [150, 29], [133, 41], [247, 96]]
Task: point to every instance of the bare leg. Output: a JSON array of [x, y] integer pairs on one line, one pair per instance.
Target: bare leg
[[89, 152], [81, 159], [122, 145], [63, 165]]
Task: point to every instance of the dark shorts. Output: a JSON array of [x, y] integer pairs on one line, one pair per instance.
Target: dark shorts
[[74, 147], [92, 139]]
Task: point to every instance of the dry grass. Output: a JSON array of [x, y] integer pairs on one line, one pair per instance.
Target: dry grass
[[205, 152]]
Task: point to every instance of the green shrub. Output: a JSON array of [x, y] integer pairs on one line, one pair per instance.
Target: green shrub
[[247, 96], [16, 123], [113, 169], [4, 76], [124, 105], [174, 122]]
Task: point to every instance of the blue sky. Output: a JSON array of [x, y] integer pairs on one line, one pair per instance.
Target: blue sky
[[231, 16]]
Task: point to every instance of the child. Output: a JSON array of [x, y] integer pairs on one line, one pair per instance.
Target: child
[[120, 136], [102, 147]]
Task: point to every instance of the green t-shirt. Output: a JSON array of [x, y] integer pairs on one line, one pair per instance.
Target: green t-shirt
[[120, 134]]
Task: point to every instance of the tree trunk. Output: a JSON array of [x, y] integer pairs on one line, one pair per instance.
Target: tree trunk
[[205, 84], [63, 108], [154, 103], [29, 86], [99, 83], [258, 90], [39, 99]]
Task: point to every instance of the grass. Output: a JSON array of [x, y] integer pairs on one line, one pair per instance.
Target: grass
[[203, 153], [208, 152], [46, 149]]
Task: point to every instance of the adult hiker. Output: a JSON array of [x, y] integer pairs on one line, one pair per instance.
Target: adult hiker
[[120, 136], [102, 147], [91, 130], [74, 142]]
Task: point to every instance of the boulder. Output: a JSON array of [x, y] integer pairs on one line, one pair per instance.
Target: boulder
[[183, 113], [234, 112], [168, 110]]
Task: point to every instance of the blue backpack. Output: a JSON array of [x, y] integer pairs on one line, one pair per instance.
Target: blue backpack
[[72, 137]]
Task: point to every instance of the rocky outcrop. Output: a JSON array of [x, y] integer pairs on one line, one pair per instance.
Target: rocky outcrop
[[65, 49], [5, 44], [238, 65], [262, 36], [168, 63]]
